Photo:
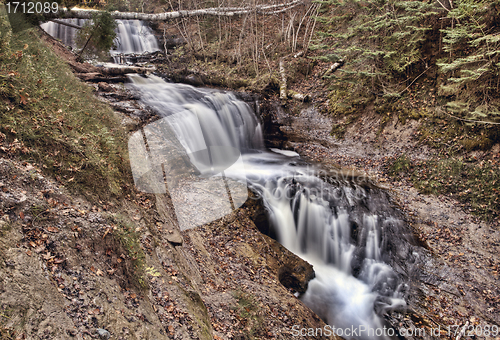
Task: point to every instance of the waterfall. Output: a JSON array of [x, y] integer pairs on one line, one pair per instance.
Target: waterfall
[[340, 224], [64, 33], [132, 36]]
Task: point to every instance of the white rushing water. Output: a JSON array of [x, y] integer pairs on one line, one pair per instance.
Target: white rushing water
[[335, 223], [132, 36]]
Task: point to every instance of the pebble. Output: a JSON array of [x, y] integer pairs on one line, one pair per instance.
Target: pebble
[[103, 334]]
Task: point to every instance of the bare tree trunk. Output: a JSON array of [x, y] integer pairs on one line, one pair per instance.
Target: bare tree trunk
[[216, 11], [283, 95]]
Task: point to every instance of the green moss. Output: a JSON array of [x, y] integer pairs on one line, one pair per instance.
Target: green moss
[[477, 143], [199, 311], [401, 164]]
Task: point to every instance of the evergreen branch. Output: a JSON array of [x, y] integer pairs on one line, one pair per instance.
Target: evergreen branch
[[470, 120]]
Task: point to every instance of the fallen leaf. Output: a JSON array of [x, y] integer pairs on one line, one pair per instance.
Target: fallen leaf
[[21, 214], [57, 261], [24, 101], [99, 272], [39, 249], [53, 229]]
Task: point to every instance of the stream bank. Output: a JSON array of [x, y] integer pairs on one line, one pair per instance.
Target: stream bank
[[175, 240]]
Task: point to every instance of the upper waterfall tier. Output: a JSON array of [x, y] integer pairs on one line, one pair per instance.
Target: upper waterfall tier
[[132, 36]]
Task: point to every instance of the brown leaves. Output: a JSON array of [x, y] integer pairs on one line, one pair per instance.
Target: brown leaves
[[23, 100], [95, 311], [52, 229]]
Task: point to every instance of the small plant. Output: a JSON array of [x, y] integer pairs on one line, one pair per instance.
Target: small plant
[[152, 271], [97, 36], [249, 313]]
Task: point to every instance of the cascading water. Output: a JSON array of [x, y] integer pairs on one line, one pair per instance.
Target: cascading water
[[341, 224], [132, 36], [64, 33]]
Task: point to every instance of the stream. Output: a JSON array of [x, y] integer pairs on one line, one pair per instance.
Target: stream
[[208, 147], [341, 224]]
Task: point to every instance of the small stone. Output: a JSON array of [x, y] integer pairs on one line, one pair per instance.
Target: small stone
[[103, 334], [174, 237]]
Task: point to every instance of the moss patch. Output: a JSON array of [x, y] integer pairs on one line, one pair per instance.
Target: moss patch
[[249, 313]]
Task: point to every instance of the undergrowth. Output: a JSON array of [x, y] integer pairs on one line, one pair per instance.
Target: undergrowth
[[129, 239]]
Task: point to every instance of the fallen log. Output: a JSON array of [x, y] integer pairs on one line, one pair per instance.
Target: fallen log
[[334, 67], [125, 70], [98, 77], [61, 22], [110, 71], [80, 13]]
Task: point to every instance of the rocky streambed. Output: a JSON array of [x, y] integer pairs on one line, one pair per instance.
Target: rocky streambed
[[456, 283]]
